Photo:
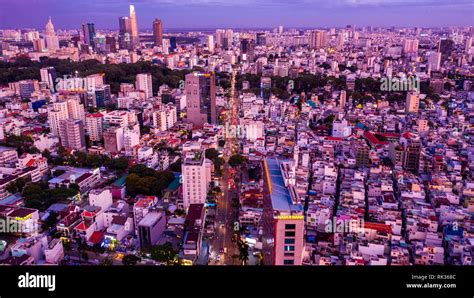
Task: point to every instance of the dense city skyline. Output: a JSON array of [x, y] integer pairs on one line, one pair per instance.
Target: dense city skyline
[[203, 14]]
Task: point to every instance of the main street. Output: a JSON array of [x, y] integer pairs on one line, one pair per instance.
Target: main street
[[226, 216]]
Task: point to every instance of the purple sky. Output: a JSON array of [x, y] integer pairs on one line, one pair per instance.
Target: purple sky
[[238, 13]]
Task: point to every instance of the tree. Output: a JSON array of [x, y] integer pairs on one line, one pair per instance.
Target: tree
[[236, 160], [130, 260], [164, 253], [211, 153], [119, 164], [176, 166], [107, 262]]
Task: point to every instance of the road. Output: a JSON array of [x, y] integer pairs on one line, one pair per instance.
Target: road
[[226, 216]]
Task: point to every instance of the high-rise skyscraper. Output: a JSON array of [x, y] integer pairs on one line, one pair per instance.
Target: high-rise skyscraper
[[201, 98], [125, 33], [261, 39], [134, 26], [445, 47], [88, 31], [158, 32]]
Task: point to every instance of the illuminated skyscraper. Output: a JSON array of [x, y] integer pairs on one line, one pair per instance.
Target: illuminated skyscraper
[[158, 32], [125, 33], [89, 34], [134, 26], [201, 98]]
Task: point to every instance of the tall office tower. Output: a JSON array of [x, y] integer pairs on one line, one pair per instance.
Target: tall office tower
[[410, 46], [261, 39], [280, 29], [210, 43], [110, 44], [434, 61], [158, 32], [445, 47], [228, 38], [143, 83], [48, 76], [201, 98], [412, 102], [71, 134], [101, 96], [285, 226], [220, 34], [94, 127], [52, 41], [196, 179], [88, 31], [173, 43], [134, 26], [125, 33], [342, 99], [39, 45], [318, 39], [246, 45]]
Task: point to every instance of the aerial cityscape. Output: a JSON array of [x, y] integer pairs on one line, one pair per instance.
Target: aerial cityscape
[[141, 143]]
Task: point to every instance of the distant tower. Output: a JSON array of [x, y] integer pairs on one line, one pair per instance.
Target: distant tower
[[158, 32], [52, 41], [134, 26], [49, 28], [342, 100], [89, 34]]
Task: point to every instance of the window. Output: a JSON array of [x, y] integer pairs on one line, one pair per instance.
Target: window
[[290, 234], [290, 226], [289, 254], [288, 262], [289, 241], [289, 248]]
